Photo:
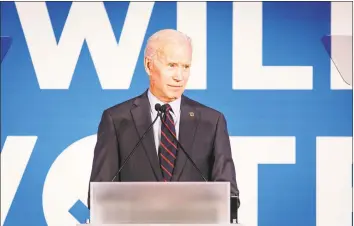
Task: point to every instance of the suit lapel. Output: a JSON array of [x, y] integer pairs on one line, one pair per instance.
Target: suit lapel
[[142, 119], [188, 126]]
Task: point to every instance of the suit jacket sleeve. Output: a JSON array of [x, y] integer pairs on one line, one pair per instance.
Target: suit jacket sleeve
[[106, 159], [224, 168]]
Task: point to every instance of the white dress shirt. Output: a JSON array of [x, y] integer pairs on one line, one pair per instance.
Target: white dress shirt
[[176, 107]]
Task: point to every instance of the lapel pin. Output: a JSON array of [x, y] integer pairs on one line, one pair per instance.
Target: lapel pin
[[191, 114]]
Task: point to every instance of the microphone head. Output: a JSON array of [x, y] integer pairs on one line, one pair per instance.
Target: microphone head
[[158, 107], [163, 108]]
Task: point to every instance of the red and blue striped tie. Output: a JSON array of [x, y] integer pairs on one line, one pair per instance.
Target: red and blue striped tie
[[168, 145]]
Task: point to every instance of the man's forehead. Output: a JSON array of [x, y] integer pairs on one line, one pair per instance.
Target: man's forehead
[[175, 52]]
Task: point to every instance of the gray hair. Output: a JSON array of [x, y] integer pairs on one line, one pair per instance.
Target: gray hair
[[167, 34]]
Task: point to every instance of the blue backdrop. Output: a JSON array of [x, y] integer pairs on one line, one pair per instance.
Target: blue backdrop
[[292, 35]]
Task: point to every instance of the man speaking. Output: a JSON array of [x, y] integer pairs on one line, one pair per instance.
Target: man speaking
[[180, 139]]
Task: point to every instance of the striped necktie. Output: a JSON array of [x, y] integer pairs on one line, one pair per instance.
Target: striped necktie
[[168, 145]]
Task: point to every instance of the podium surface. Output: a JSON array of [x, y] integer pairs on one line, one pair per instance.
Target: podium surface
[[149, 203]]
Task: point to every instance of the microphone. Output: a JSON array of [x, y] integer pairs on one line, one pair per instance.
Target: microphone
[[159, 112], [163, 110]]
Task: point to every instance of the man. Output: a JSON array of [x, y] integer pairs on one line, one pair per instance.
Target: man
[[201, 130]]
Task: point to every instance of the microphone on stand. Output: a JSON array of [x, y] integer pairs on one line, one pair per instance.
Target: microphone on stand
[[158, 108], [163, 110]]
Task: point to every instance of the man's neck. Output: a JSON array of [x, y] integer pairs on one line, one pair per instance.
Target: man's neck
[[163, 100]]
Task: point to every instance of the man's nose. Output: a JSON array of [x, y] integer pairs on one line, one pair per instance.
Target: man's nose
[[179, 74]]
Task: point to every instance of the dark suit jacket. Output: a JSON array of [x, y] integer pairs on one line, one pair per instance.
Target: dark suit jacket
[[204, 136]]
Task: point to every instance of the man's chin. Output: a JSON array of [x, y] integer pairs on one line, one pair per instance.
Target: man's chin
[[173, 94], [173, 97]]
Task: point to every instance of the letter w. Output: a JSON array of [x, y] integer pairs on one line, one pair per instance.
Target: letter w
[[54, 63]]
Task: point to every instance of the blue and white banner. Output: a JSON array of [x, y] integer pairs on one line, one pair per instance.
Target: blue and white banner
[[264, 65]]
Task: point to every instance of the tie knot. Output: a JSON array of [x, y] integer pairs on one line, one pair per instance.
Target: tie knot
[[168, 108]]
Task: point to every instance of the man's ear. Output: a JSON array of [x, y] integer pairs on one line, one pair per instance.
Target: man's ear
[[147, 65]]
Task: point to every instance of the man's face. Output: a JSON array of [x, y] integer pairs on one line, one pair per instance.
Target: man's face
[[169, 72]]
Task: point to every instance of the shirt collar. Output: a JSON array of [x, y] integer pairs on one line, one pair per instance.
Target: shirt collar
[[175, 105]]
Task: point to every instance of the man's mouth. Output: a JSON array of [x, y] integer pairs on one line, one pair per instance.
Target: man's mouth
[[173, 86]]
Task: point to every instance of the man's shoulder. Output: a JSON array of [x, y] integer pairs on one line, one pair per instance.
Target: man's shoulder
[[122, 107]]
